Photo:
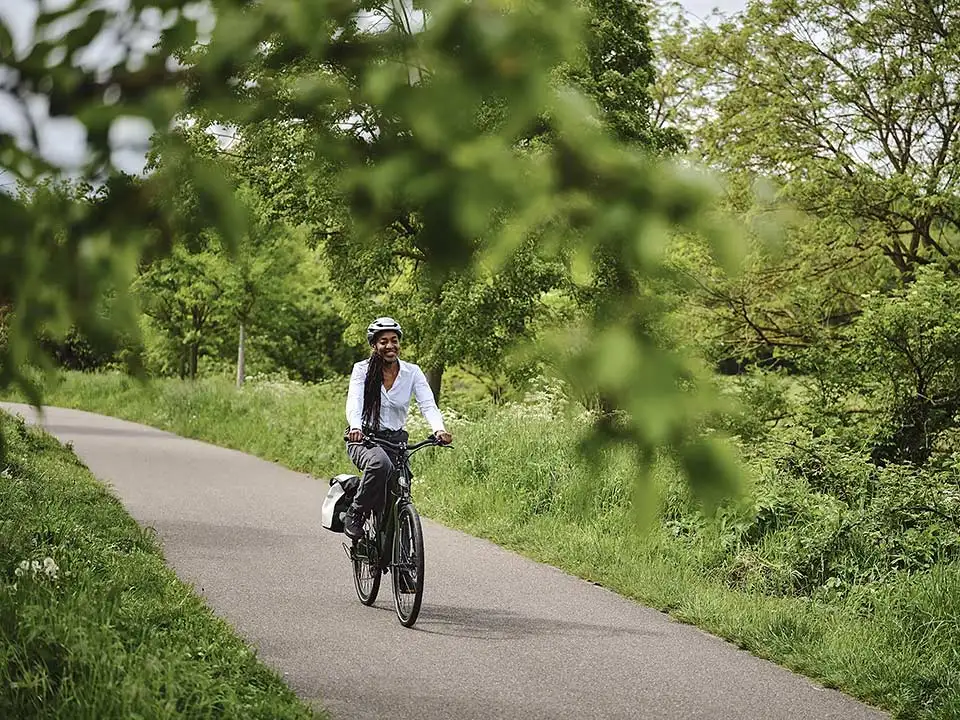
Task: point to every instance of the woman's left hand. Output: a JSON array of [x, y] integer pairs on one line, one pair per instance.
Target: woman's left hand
[[443, 437]]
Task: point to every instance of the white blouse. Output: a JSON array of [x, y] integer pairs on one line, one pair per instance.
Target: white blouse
[[395, 402]]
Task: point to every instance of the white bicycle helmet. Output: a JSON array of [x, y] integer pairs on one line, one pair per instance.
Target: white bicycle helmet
[[381, 324]]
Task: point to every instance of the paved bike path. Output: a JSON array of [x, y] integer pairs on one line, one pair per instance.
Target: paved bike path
[[499, 636]]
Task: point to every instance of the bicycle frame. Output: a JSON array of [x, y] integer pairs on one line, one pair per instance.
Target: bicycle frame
[[396, 492]]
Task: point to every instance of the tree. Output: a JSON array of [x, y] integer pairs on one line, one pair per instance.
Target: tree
[[617, 71], [584, 192], [893, 382], [306, 336], [58, 275], [850, 106], [844, 111], [61, 252], [455, 315], [464, 316], [183, 296], [262, 277]]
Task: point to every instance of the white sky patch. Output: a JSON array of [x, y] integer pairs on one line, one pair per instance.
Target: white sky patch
[[408, 17], [129, 138], [702, 9], [61, 141], [106, 51], [13, 120], [202, 12], [20, 18], [227, 135]]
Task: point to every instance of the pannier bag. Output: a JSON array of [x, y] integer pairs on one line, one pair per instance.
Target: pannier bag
[[339, 496]]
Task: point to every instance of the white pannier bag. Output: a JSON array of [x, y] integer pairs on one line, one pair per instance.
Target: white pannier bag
[[342, 489]]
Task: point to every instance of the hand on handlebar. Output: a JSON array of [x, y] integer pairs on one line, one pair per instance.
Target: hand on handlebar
[[440, 437]]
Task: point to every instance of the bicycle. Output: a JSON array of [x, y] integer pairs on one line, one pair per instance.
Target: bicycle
[[404, 561]]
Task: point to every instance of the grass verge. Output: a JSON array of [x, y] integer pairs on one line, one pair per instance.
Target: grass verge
[[515, 479], [92, 623]]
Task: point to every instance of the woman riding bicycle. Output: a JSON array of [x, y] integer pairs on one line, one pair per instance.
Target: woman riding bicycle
[[377, 405]]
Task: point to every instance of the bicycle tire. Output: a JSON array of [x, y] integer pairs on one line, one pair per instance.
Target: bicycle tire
[[407, 566], [366, 564]]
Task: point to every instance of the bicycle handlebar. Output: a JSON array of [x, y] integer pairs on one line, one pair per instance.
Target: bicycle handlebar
[[409, 449]]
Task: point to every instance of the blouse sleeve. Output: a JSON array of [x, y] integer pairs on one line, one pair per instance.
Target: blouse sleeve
[[355, 397], [426, 402]]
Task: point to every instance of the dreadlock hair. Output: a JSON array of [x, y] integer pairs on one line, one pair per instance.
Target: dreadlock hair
[[371, 392]]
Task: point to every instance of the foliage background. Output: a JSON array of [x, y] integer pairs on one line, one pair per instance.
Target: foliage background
[[731, 246]]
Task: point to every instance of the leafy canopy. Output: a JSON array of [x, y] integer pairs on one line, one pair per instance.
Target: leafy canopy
[[845, 112], [585, 194]]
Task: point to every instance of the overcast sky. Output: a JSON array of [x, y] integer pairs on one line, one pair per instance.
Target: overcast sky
[[702, 8], [62, 140]]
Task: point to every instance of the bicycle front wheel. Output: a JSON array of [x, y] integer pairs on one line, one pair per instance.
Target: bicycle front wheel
[[407, 565], [366, 563]]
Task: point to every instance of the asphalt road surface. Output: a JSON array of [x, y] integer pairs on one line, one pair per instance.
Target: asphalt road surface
[[499, 636]]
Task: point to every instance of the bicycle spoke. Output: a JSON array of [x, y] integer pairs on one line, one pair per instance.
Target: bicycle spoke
[[408, 566], [366, 572]]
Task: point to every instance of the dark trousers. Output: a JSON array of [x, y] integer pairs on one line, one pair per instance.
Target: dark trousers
[[376, 465]]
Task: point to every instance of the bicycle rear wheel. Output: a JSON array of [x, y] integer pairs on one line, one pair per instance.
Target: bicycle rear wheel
[[407, 565], [366, 563]]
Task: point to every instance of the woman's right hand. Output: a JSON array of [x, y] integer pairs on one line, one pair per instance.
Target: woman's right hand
[[355, 435]]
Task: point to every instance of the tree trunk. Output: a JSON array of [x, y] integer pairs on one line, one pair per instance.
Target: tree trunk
[[194, 357], [401, 13], [241, 357], [435, 378], [4, 314]]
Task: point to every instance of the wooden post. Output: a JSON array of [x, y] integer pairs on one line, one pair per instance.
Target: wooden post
[[241, 357]]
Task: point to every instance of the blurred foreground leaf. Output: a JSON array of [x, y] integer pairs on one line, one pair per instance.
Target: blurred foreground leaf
[[395, 115]]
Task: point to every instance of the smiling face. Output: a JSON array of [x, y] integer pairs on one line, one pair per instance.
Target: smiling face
[[387, 345]]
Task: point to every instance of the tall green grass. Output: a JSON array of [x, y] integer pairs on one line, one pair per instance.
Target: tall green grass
[[92, 623], [515, 478]]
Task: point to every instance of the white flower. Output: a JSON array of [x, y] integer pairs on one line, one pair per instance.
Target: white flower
[[33, 568], [50, 568]]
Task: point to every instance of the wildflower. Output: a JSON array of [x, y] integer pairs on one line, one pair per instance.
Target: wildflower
[[33, 568], [50, 568]]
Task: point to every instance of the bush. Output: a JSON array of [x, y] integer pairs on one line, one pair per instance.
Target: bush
[[826, 519], [894, 382]]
